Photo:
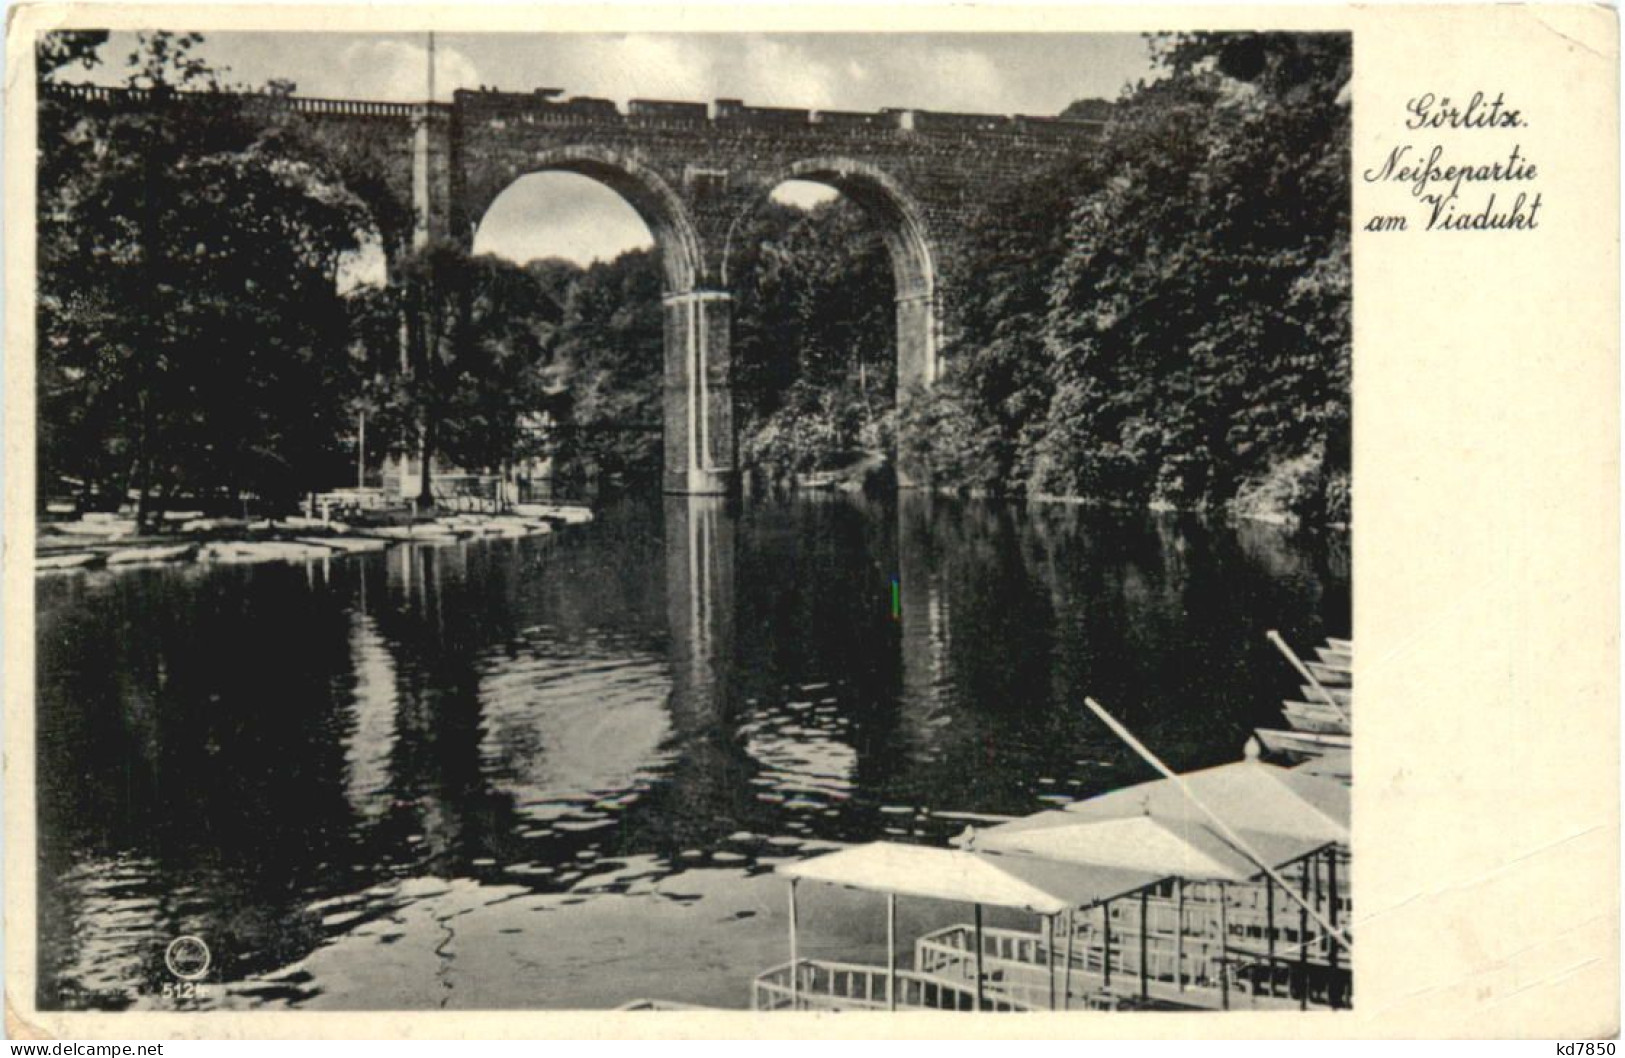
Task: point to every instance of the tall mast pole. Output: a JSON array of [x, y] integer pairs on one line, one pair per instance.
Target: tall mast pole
[[431, 67]]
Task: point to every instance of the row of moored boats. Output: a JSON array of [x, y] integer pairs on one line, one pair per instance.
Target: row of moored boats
[[1319, 723]]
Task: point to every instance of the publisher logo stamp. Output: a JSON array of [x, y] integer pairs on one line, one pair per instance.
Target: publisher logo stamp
[[187, 957]]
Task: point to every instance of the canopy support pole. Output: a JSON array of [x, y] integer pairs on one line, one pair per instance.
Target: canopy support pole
[[1145, 925], [1050, 960], [1224, 949], [978, 958], [1106, 942], [891, 951], [1303, 937], [1331, 911], [795, 967], [1066, 975], [1179, 932], [1269, 928]]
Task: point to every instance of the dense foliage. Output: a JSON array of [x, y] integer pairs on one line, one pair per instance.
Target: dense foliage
[[815, 368], [609, 364], [1186, 341]]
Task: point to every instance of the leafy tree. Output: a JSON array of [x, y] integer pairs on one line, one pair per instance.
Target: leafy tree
[[997, 385], [814, 336], [191, 337], [610, 367], [507, 363], [66, 48], [1199, 323], [505, 374]]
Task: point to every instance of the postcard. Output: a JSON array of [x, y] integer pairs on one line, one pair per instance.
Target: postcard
[[691, 521]]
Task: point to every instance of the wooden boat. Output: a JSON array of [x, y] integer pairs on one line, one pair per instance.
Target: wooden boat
[[1343, 696], [105, 528], [661, 1004], [423, 533], [1342, 658], [567, 513], [1322, 720], [1331, 675], [1315, 708], [1305, 725], [69, 560], [345, 543], [818, 481], [1298, 745], [162, 553]]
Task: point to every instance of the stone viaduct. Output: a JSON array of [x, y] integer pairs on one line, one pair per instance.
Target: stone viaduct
[[693, 172]]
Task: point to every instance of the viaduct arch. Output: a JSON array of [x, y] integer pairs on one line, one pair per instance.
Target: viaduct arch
[[692, 171]]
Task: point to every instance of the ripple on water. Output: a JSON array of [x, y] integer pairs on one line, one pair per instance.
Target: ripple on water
[[806, 764], [114, 928], [566, 726]]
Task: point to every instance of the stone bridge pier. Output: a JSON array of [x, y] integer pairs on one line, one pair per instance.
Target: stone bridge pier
[[699, 411]]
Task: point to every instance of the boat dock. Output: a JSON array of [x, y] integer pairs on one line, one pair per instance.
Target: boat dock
[[1225, 888]]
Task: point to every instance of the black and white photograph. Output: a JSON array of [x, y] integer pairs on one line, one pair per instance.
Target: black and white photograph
[[640, 521]]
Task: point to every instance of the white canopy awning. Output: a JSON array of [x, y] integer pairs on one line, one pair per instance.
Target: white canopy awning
[[1168, 847], [1247, 795], [1132, 843], [1020, 882]]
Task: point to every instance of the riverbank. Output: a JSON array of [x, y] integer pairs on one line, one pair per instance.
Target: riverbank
[[1233, 514], [1288, 497], [98, 541]]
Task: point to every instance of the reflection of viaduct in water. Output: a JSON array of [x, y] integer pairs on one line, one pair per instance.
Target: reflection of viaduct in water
[[693, 172], [699, 606], [700, 536], [926, 632]]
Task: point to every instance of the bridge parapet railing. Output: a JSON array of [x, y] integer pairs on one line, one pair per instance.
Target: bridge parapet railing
[[87, 93], [352, 107], [586, 110]]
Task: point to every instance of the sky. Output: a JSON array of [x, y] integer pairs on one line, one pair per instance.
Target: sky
[[561, 215]]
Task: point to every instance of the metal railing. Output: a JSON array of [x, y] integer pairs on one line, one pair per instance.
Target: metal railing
[[819, 984], [1196, 972]]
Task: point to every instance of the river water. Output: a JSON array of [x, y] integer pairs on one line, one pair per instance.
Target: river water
[[557, 772]]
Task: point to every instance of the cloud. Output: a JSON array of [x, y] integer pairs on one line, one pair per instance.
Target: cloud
[[396, 70], [854, 73], [784, 74], [559, 215], [962, 78], [615, 67]]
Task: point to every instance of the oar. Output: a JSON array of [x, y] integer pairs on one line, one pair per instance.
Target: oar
[[1303, 670], [1230, 835]]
